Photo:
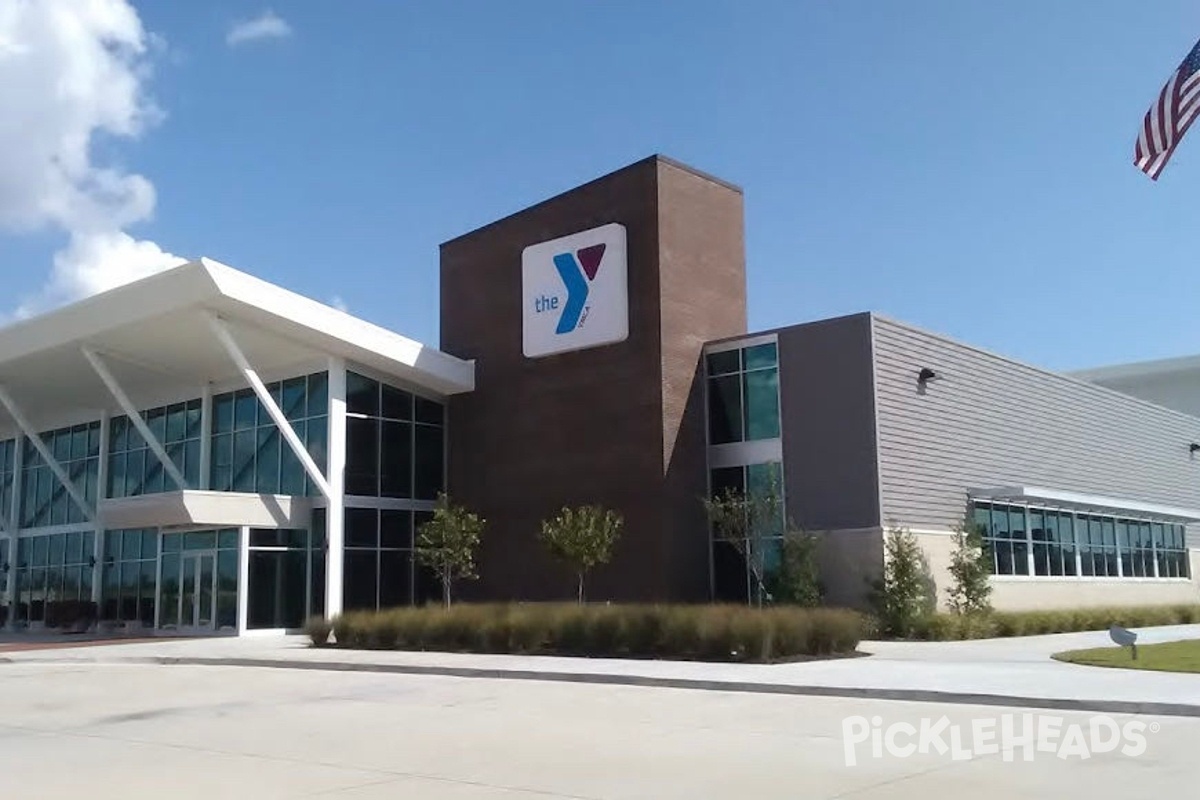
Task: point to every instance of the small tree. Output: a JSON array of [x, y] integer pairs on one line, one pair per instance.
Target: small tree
[[903, 593], [797, 581], [742, 520], [582, 538], [970, 565], [446, 544]]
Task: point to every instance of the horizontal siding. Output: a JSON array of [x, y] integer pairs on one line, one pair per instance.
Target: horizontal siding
[[988, 421]]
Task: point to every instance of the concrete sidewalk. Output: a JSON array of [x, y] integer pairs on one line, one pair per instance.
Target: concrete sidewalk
[[1007, 672]]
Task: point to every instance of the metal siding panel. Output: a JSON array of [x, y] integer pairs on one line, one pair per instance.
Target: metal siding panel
[[828, 421], [989, 421]]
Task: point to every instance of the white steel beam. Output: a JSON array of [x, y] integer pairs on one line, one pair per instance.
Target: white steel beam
[[23, 423], [335, 515], [135, 416], [225, 336]]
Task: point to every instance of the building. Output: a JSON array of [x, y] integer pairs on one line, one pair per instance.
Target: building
[[201, 451]]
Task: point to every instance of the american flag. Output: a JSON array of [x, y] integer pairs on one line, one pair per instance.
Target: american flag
[[1169, 118]]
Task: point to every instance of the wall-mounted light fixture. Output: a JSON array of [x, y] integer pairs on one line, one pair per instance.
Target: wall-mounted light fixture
[[926, 375], [1193, 447]]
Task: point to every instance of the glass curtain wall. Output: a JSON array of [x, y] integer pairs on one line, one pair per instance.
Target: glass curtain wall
[[394, 442], [127, 585], [44, 500], [213, 588], [133, 469], [380, 570], [54, 578], [248, 452], [1048, 542], [743, 394], [279, 578], [395, 467], [743, 570]]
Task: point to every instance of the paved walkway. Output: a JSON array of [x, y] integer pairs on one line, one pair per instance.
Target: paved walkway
[[1009, 672]]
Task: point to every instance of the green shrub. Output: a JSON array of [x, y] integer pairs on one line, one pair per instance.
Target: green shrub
[[318, 629], [950, 627], [905, 591], [714, 632]]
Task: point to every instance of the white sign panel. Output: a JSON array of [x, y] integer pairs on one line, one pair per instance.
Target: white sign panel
[[575, 292]]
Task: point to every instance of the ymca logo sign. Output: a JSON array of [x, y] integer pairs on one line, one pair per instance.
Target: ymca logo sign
[[575, 292]]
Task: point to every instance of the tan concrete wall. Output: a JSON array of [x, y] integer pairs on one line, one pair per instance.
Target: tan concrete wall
[[848, 561], [937, 548], [1047, 593]]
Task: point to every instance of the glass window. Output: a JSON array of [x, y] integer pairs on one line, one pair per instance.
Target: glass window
[[294, 394], [1041, 543], [395, 529], [129, 576], [256, 458], [725, 409], [396, 464], [724, 362], [245, 410], [762, 404], [743, 394], [386, 454], [430, 462], [428, 411], [395, 578], [1126, 545], [134, 469], [362, 395], [397, 404], [45, 500], [361, 580], [362, 456], [362, 527], [266, 478], [760, 356], [278, 589], [727, 480]]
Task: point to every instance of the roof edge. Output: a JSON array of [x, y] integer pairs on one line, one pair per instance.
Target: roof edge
[[652, 159]]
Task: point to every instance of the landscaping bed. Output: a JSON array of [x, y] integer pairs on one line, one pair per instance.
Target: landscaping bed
[[1165, 657], [685, 632]]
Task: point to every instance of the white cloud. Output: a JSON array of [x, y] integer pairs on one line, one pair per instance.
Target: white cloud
[[267, 25], [71, 70]]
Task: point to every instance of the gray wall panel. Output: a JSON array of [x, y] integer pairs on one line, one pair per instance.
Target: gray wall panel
[[990, 421], [828, 418]]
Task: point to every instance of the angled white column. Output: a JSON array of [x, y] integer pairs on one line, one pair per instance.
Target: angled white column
[[277, 416], [135, 416], [23, 423], [335, 515], [206, 413]]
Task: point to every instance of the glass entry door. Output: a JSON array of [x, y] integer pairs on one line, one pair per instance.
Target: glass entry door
[[197, 591]]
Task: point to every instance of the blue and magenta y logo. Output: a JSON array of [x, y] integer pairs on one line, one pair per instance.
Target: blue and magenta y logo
[[577, 270]]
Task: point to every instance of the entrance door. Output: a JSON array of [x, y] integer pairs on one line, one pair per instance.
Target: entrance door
[[198, 596]]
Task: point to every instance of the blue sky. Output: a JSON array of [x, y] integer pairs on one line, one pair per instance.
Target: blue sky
[[962, 166]]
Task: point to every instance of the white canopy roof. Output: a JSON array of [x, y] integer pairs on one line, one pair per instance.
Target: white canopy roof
[[154, 332]]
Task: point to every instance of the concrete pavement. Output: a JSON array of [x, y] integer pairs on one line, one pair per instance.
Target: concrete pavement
[[113, 728], [1005, 672]]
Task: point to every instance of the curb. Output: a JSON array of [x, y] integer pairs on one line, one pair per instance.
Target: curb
[[851, 692]]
